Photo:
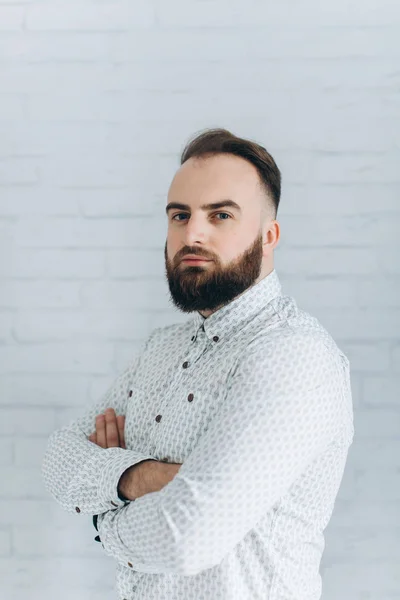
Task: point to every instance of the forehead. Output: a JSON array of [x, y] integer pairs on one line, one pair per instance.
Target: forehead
[[204, 181]]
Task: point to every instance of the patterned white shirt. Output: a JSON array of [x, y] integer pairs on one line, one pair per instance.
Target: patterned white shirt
[[255, 401]]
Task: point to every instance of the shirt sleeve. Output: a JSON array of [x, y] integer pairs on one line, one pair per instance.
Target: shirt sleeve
[[80, 475], [285, 403]]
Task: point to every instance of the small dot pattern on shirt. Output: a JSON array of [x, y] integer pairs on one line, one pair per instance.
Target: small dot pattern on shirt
[[255, 402]]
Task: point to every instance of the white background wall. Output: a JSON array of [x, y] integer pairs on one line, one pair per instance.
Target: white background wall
[[97, 99]]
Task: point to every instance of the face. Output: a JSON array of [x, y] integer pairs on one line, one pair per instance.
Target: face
[[237, 246]]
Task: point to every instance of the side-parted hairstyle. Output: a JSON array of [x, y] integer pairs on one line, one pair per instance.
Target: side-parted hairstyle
[[218, 141]]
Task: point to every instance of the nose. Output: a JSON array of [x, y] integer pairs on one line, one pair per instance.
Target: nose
[[195, 230]]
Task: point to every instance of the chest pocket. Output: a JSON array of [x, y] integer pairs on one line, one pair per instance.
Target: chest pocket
[[186, 416], [169, 425]]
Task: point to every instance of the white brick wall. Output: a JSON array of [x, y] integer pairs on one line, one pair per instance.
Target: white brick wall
[[96, 101]]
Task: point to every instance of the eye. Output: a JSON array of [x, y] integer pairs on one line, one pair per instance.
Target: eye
[[219, 213]]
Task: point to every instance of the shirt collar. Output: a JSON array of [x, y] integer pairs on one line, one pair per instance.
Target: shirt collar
[[241, 309]]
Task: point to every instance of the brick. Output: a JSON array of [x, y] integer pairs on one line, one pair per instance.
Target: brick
[[64, 416], [381, 391], [85, 325], [361, 581], [204, 44], [12, 108], [5, 542], [71, 107], [230, 14], [104, 171], [361, 324], [55, 264], [43, 294], [135, 263], [43, 390], [340, 199], [300, 75], [23, 483], [73, 575], [356, 513], [29, 451], [6, 326], [18, 171], [75, 16], [327, 261], [125, 294], [88, 358], [356, 388], [396, 357], [377, 423], [114, 203], [86, 233], [376, 486], [322, 292], [34, 78], [31, 201], [11, 18], [364, 545], [381, 453], [353, 231], [38, 139], [28, 511], [59, 576], [66, 542], [371, 357], [6, 451], [51, 46], [372, 168], [26, 421], [381, 292]]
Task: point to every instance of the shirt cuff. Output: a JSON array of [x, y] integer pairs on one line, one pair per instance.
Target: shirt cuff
[[114, 467]]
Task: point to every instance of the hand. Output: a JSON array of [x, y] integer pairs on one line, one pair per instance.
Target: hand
[[109, 430], [145, 477]]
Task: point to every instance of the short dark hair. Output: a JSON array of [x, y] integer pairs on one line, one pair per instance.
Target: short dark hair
[[218, 141]]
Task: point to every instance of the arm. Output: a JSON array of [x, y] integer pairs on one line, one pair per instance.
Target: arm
[[147, 477], [80, 475], [143, 478], [283, 406]]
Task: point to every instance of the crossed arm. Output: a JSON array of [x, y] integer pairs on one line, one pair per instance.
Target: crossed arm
[[140, 479], [273, 426]]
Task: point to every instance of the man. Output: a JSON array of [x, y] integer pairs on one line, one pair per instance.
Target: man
[[213, 462]]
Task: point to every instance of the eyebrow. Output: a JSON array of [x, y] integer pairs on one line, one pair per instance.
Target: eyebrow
[[210, 206]]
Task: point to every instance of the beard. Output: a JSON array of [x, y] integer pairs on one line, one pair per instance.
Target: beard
[[211, 285]]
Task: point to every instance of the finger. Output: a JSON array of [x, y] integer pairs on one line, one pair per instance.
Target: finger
[[93, 437], [112, 435], [101, 431], [121, 430]]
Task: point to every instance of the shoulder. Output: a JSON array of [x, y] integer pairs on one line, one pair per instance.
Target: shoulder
[[295, 348]]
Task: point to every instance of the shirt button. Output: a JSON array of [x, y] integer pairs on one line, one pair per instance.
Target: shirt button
[[130, 393], [113, 503], [130, 565], [190, 397], [77, 509], [193, 338], [185, 364], [215, 338], [158, 418]]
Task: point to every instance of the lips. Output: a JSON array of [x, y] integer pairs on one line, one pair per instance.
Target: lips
[[195, 259]]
